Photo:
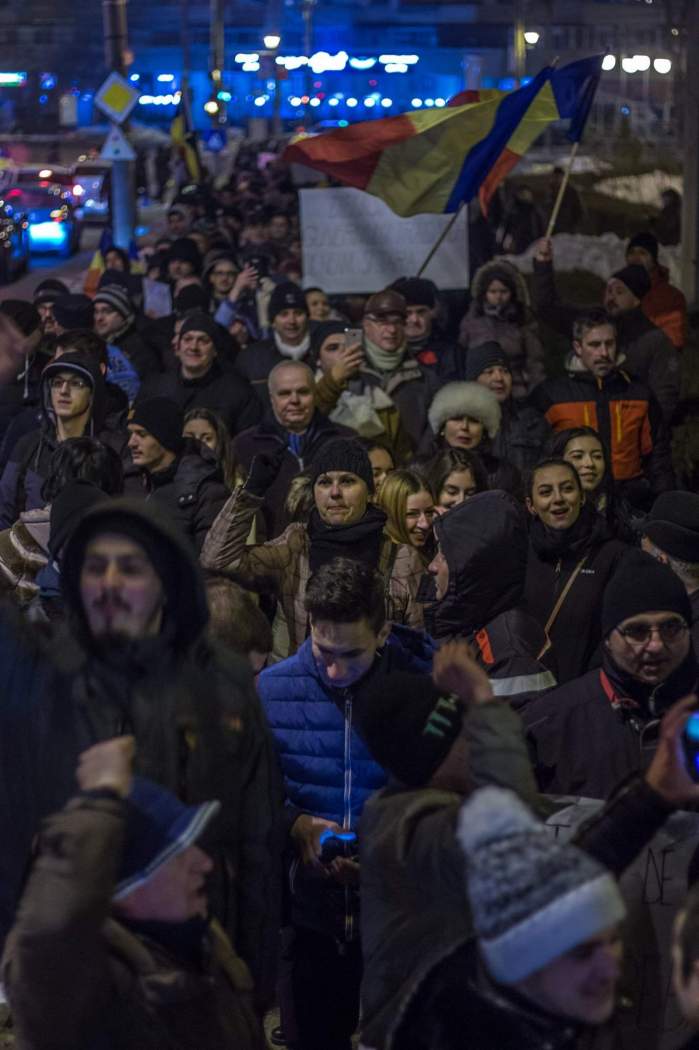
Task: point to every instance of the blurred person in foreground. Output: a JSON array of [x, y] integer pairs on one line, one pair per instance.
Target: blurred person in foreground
[[113, 945]]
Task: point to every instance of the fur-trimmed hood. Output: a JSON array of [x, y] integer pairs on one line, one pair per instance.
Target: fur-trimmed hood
[[465, 399], [485, 273]]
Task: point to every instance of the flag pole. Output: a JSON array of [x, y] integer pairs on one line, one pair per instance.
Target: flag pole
[[439, 240], [561, 190]]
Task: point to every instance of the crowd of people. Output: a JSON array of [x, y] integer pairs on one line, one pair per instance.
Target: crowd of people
[[313, 608]]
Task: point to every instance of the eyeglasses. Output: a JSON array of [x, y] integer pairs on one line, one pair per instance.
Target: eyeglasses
[[73, 384], [386, 322], [668, 632]]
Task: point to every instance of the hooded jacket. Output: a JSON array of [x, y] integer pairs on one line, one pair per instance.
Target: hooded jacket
[[328, 771], [666, 307], [511, 327], [28, 465], [484, 541], [614, 714], [192, 708], [575, 632]]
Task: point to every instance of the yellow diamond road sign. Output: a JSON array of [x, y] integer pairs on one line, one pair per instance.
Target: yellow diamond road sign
[[117, 97]]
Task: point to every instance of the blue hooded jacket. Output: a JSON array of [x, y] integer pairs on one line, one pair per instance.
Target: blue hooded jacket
[[327, 768]]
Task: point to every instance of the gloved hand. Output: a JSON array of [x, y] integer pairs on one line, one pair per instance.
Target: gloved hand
[[264, 471]]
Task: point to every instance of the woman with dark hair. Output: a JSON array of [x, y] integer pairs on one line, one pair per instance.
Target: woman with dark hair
[[208, 428], [585, 449], [499, 313], [572, 557], [454, 475]]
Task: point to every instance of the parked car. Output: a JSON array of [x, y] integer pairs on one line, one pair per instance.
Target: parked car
[[14, 242], [53, 225]]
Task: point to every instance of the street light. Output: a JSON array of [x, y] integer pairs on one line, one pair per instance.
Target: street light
[[531, 37], [662, 65], [608, 62], [272, 41], [629, 65], [642, 62]]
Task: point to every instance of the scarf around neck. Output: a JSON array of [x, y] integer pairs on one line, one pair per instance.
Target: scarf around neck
[[384, 360], [294, 352], [360, 541], [552, 544]]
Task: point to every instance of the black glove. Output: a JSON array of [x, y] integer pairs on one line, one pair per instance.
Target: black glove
[[264, 471]]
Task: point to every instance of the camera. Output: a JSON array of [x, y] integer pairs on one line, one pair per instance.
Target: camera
[[690, 743]]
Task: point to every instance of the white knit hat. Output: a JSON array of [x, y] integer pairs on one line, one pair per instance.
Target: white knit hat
[[465, 399], [533, 898]]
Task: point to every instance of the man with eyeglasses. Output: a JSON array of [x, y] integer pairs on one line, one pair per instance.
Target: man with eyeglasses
[[390, 366], [220, 275], [73, 404], [590, 733]]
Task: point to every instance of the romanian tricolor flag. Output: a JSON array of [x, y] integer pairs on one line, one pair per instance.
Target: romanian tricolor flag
[[435, 160]]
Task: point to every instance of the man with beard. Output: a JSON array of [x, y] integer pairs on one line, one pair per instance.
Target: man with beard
[[133, 659], [590, 733], [649, 355]]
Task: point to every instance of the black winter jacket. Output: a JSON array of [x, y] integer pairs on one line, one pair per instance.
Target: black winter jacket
[[269, 437], [522, 435], [190, 492], [575, 633], [589, 734], [221, 390], [198, 725], [484, 541]]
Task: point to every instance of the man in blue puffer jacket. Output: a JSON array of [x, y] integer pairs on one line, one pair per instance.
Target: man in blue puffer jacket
[[329, 774]]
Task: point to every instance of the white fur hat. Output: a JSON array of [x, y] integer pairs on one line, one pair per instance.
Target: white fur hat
[[465, 399]]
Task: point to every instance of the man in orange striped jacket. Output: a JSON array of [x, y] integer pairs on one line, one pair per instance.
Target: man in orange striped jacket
[[598, 393]]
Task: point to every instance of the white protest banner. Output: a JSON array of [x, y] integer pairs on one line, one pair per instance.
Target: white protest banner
[[654, 888], [353, 242]]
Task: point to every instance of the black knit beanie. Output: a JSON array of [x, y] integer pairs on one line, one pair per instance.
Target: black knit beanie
[[184, 249], [74, 311], [67, 510], [646, 241], [343, 454], [487, 355], [49, 290], [417, 291], [163, 419], [321, 332], [198, 321], [408, 724], [286, 296], [24, 314], [642, 584], [635, 278], [673, 525]]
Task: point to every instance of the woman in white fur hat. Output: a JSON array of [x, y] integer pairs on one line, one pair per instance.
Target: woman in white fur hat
[[467, 416]]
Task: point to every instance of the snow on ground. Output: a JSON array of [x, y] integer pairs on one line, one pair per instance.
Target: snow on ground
[[640, 189], [542, 162], [601, 255]]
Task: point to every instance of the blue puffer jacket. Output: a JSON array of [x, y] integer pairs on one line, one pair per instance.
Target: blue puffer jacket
[[327, 769]]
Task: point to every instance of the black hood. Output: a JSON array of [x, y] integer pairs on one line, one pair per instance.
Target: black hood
[[186, 610], [86, 368], [485, 543]]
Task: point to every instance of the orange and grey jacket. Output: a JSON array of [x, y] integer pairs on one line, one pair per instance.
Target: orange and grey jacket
[[624, 413]]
